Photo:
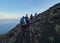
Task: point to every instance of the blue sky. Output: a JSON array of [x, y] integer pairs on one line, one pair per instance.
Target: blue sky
[[18, 8]]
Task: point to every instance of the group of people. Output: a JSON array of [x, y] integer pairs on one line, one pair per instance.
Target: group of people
[[25, 21]]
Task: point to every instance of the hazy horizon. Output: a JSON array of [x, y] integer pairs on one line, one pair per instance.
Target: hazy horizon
[[7, 24]]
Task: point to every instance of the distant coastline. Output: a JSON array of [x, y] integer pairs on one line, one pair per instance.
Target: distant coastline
[[7, 24]]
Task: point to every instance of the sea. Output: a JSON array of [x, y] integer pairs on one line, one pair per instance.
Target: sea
[[7, 24]]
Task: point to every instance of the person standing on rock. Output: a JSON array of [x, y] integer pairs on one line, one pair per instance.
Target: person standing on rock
[[35, 15], [27, 35], [23, 22], [31, 19], [23, 25], [27, 20]]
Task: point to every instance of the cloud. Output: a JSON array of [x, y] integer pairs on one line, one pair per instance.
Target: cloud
[[9, 16]]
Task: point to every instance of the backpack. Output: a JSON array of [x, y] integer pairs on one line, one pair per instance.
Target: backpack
[[23, 21]]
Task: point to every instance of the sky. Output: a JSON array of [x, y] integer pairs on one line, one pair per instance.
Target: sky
[[18, 8]]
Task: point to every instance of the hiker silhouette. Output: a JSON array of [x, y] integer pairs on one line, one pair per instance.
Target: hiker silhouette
[[31, 19], [24, 21], [27, 20]]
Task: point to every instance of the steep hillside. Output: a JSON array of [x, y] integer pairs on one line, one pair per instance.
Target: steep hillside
[[45, 29]]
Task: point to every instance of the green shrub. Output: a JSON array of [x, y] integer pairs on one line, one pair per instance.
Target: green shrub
[[57, 28], [51, 38]]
